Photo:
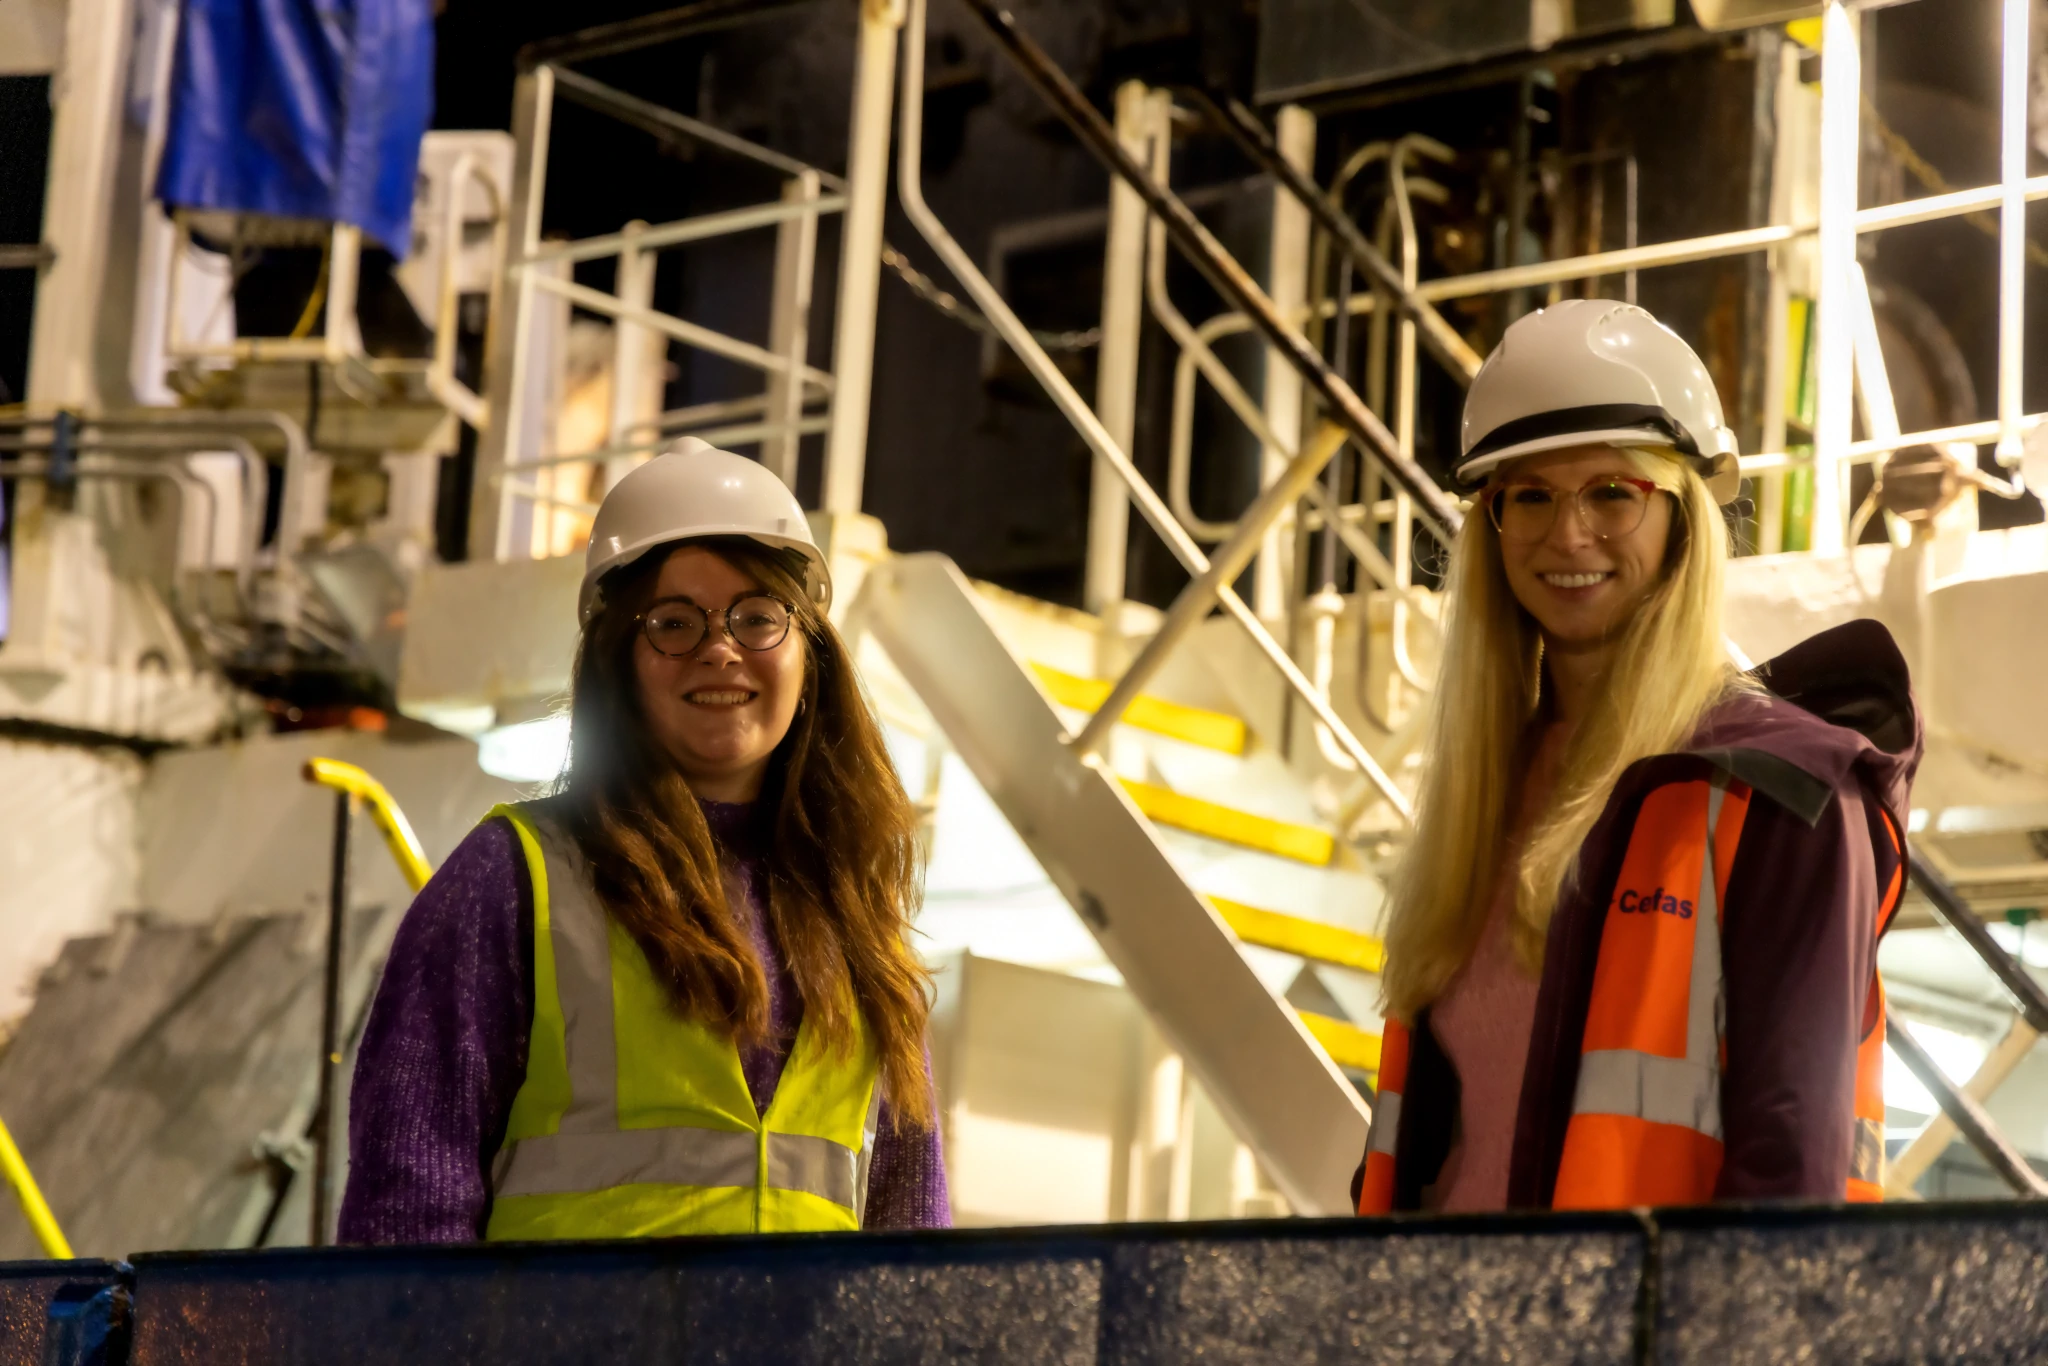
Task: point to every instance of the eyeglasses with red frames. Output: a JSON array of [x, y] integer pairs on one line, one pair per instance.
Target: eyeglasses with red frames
[[677, 627], [1610, 507]]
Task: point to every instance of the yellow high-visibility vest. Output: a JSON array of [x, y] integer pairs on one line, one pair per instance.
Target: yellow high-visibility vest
[[634, 1122]]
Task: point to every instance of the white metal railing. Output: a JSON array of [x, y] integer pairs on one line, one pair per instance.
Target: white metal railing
[[1840, 223], [777, 419], [1212, 578], [340, 341]]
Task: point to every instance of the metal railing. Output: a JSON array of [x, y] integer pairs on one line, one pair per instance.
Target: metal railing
[[1212, 577], [791, 383], [350, 785], [1962, 1107]]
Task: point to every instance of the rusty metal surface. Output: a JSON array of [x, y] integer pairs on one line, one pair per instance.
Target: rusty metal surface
[[1559, 1289], [26, 1292], [1925, 1282]]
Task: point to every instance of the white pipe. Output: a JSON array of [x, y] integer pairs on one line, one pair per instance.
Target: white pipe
[[789, 327], [860, 254], [1323, 610], [2012, 229], [1975, 433], [344, 268], [509, 348], [1289, 237], [1841, 94], [1116, 367], [633, 283], [451, 393]]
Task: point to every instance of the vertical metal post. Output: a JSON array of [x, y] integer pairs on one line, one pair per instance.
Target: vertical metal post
[[1116, 373], [2012, 228], [1401, 545], [1510, 253], [1841, 95], [635, 351], [86, 146], [330, 1026], [1287, 285], [1770, 486], [508, 347], [344, 268], [789, 326], [860, 254]]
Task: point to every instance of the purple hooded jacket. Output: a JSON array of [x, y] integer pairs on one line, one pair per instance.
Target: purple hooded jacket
[[1832, 743]]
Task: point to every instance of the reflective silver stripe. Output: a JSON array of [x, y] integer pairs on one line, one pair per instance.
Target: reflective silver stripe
[[817, 1166], [1386, 1123], [1621, 1081], [583, 983], [574, 1164], [1703, 996], [578, 1164], [1866, 1157], [867, 1152]]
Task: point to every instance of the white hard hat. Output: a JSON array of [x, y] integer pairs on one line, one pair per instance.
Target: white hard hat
[[691, 490], [1588, 372]]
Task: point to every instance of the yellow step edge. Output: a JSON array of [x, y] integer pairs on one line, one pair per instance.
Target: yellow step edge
[[1192, 725], [1303, 843], [1347, 1044], [1312, 939]]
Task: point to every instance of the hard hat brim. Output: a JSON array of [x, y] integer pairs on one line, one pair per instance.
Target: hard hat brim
[[817, 576], [1721, 473]]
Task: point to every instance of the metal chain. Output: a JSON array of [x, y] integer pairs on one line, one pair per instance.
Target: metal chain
[[927, 289]]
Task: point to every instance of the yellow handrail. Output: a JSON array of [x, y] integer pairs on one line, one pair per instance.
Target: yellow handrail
[[31, 1196], [397, 831]]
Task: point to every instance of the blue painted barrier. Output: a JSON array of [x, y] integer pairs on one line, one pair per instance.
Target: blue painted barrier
[[1882, 1283]]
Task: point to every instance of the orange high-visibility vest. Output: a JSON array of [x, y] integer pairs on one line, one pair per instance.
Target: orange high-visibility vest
[[1646, 1113]]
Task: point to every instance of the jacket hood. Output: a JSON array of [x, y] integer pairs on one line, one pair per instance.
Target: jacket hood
[[1836, 706]]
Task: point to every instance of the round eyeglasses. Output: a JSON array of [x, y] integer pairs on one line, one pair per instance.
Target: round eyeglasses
[[1610, 507], [678, 628]]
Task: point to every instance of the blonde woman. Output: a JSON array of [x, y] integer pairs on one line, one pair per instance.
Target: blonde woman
[[1632, 952]]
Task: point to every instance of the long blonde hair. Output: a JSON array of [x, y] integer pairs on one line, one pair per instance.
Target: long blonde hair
[[1670, 668]]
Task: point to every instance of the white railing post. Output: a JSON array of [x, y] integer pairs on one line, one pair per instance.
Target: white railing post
[[1287, 284], [860, 254], [1116, 373], [637, 355], [1786, 159], [2012, 227], [1841, 94], [789, 325], [508, 346]]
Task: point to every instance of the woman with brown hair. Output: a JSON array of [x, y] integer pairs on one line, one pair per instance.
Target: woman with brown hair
[[677, 996]]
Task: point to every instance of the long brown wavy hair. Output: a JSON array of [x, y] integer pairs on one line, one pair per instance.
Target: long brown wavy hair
[[842, 866]]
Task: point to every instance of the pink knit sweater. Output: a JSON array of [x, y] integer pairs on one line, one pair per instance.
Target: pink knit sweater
[[1484, 1019]]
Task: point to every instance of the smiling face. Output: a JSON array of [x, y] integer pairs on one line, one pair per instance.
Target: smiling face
[[721, 710], [1583, 589]]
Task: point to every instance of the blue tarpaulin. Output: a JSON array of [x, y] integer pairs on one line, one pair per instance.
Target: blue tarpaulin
[[302, 109]]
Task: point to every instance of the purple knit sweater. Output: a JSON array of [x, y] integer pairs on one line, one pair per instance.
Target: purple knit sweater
[[444, 1052]]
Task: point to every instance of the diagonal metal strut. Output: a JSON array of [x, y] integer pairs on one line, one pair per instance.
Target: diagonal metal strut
[[1257, 141], [1347, 409]]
